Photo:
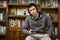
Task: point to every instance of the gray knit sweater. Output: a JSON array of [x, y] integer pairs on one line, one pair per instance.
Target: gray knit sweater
[[39, 25]]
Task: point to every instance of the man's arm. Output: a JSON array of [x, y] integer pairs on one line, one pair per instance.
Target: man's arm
[[49, 24], [26, 26]]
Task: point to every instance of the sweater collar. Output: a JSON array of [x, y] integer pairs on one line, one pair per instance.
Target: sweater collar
[[40, 16]]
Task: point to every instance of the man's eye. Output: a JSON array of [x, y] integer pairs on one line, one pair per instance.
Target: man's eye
[[33, 9], [30, 10]]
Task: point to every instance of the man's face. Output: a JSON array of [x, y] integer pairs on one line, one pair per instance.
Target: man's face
[[33, 10]]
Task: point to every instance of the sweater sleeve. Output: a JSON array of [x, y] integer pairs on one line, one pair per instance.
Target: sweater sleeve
[[50, 25], [26, 26]]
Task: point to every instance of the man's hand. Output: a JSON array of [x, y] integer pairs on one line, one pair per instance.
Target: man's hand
[[31, 32], [45, 35]]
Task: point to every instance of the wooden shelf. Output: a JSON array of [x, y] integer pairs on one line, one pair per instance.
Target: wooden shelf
[[14, 28], [2, 7], [2, 21], [54, 22], [2, 33], [17, 4], [49, 8], [17, 16]]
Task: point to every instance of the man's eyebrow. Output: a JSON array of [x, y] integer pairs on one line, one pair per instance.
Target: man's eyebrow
[[30, 10]]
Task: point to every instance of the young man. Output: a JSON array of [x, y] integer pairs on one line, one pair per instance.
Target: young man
[[36, 23]]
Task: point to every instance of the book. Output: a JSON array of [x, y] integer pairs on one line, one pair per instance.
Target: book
[[18, 21], [31, 1], [4, 16], [12, 23], [20, 11], [13, 11], [1, 16], [13, 1], [22, 23]]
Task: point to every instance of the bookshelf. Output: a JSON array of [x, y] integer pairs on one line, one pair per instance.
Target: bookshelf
[[59, 17], [15, 12], [3, 18]]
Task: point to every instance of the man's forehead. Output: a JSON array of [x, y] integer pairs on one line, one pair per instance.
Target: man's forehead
[[31, 7]]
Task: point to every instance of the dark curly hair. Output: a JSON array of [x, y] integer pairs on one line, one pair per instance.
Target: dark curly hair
[[30, 5]]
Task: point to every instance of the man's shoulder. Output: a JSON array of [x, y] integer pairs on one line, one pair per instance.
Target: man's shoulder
[[42, 13], [28, 17]]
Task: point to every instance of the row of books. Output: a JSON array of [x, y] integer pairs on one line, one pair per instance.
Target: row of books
[[49, 3], [44, 3], [53, 16], [3, 3], [18, 11], [23, 1], [2, 29], [16, 23], [56, 31], [3, 16]]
